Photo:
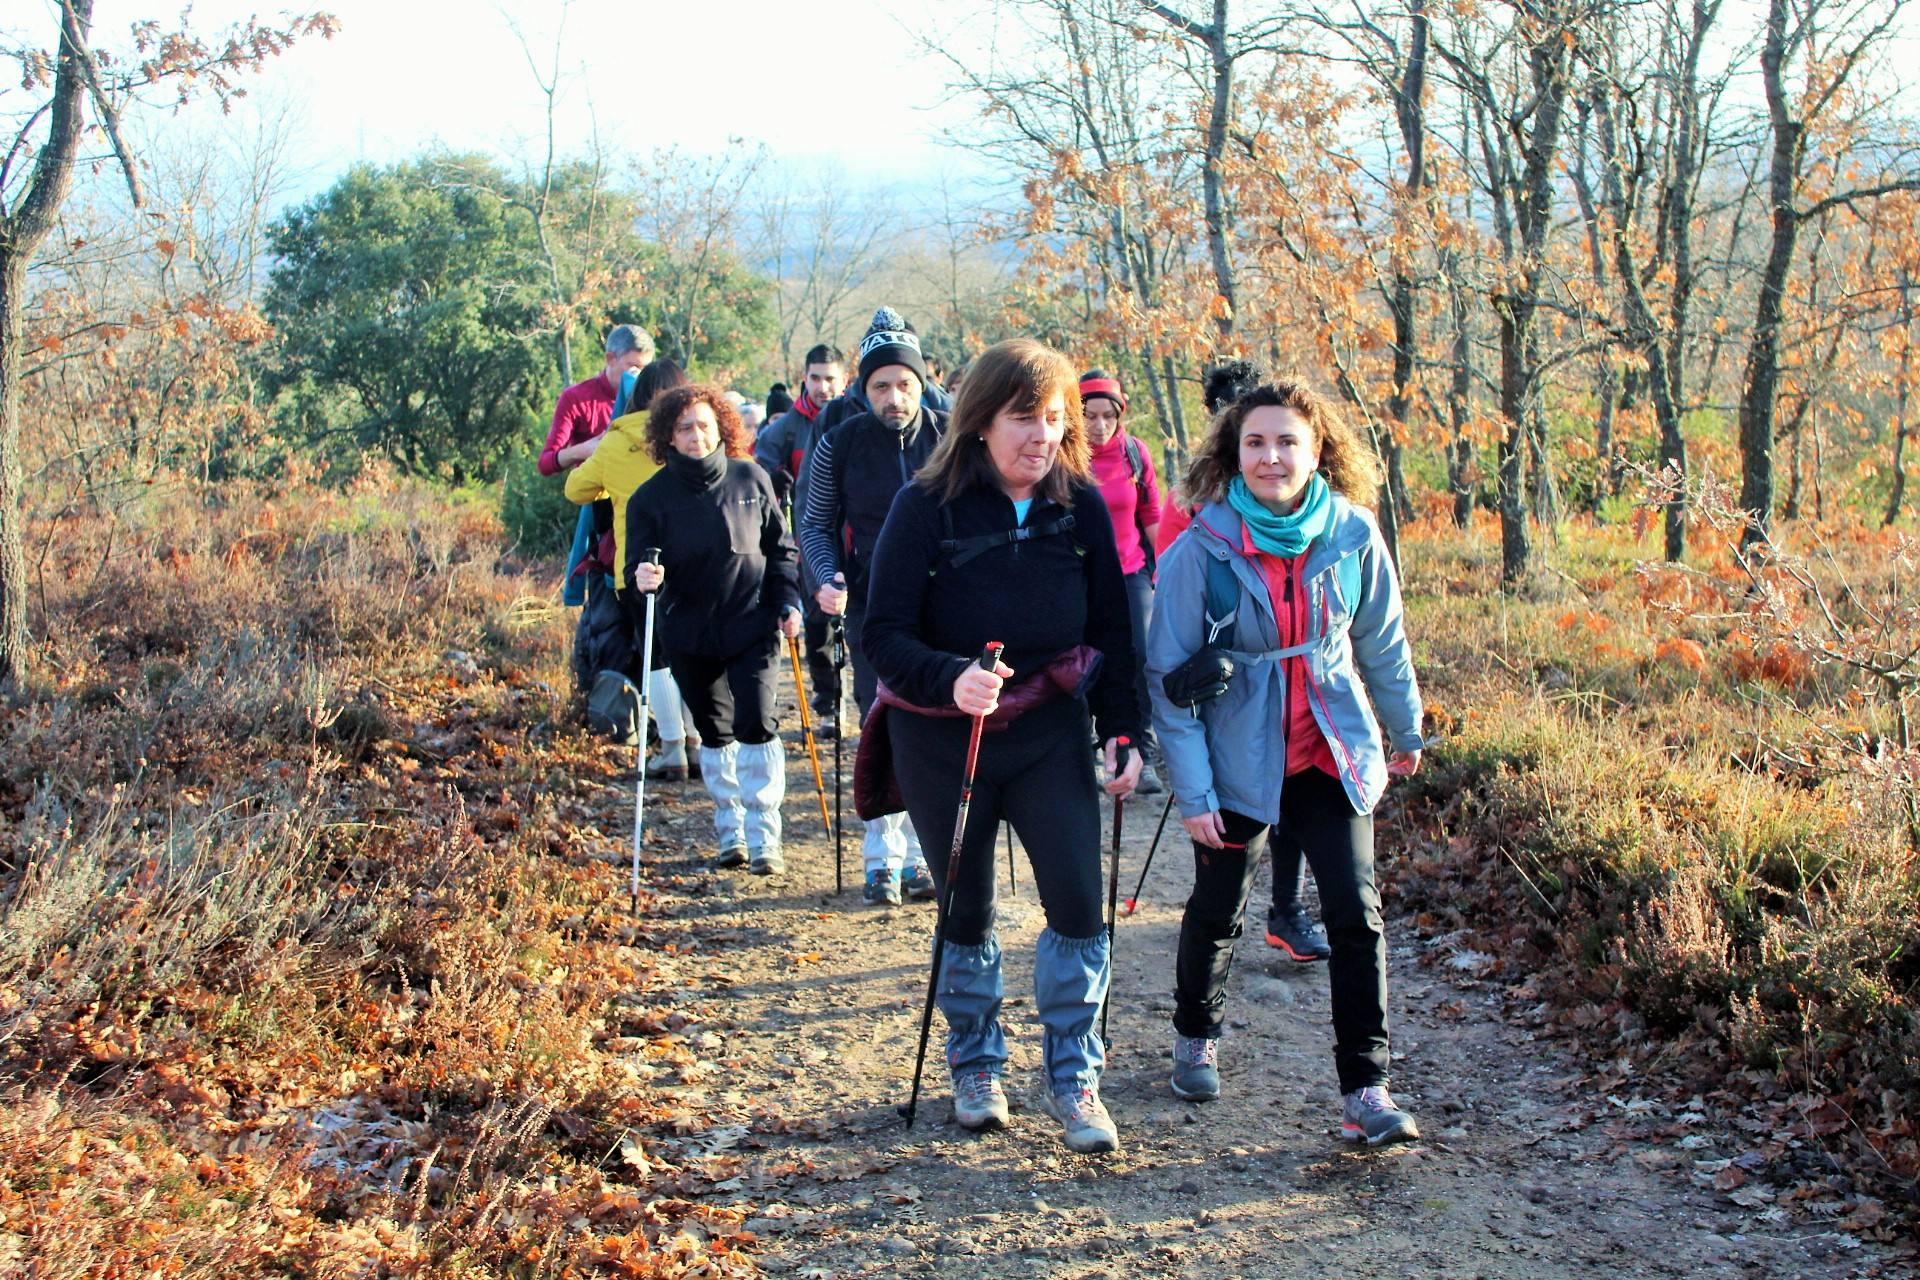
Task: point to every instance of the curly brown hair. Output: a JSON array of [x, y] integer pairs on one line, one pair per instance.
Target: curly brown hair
[[1350, 466], [667, 408], [1018, 374]]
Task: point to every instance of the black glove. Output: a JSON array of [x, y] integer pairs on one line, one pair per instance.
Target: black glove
[[1199, 679]]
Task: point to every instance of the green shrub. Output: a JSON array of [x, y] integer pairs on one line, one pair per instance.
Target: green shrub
[[535, 510]]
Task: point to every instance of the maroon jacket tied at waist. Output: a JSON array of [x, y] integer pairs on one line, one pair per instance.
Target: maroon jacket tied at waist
[[876, 793]]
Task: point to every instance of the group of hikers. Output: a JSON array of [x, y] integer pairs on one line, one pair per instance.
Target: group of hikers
[[1031, 624]]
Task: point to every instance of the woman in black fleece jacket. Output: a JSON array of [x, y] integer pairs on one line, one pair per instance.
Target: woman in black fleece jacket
[[1003, 537], [728, 581]]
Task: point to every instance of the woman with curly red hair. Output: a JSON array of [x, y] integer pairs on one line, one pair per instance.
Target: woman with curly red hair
[[729, 586]]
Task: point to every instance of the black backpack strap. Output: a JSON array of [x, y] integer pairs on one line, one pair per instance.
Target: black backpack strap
[[957, 551]]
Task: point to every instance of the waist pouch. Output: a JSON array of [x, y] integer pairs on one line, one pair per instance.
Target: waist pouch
[[1201, 678], [876, 792]]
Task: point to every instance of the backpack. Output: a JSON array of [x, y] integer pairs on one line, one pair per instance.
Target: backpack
[[1223, 592], [1137, 468]]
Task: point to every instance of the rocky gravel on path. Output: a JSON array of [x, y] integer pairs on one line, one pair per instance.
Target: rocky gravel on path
[[804, 1005]]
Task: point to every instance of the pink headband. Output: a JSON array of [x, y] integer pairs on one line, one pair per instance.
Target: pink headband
[[1108, 387]]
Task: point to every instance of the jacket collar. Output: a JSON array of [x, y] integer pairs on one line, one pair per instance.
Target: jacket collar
[[1221, 532]]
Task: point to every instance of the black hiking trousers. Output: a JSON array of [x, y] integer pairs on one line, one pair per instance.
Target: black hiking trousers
[[1338, 844], [1037, 774]]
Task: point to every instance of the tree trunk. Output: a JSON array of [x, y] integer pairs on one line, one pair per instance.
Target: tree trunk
[[1549, 60], [1516, 548], [13, 565], [1905, 395], [1160, 407], [1410, 112], [1643, 326], [1761, 386], [21, 232], [1790, 509], [1819, 466], [1460, 402], [1219, 116], [1178, 422]]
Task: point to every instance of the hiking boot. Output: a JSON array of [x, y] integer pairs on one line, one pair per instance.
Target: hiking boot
[[1149, 784], [978, 1100], [767, 861], [734, 855], [1089, 1128], [919, 885], [1196, 1068], [882, 889], [669, 764], [1294, 932], [1368, 1115]]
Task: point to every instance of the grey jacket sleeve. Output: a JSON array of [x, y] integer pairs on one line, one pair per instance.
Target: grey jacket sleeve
[[1381, 650], [1176, 633]]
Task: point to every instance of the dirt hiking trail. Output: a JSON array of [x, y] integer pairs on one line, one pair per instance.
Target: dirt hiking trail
[[802, 1007]]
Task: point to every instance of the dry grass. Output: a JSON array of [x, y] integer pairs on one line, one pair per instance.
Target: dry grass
[[1659, 812], [303, 966]]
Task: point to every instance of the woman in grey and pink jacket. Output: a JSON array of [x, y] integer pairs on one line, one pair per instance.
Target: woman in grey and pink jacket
[[1283, 573]]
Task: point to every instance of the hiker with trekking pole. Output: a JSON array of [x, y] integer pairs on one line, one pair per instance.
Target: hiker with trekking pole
[[621, 462], [1284, 695], [1003, 537], [729, 588], [883, 429]]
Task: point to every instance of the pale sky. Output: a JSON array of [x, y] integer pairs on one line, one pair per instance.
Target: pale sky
[[838, 80]]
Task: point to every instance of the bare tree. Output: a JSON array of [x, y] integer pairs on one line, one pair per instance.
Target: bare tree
[[1223, 47], [1519, 136], [1836, 39], [821, 240], [1629, 104], [79, 82]]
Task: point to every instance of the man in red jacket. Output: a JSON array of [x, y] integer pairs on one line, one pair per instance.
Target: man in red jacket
[[581, 416]]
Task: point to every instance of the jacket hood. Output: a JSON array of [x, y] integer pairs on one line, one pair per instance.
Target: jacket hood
[[631, 425]]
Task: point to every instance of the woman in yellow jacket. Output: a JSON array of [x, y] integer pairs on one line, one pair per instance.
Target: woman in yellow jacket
[[621, 464]]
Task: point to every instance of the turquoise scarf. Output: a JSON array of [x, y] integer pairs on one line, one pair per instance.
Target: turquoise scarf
[[1285, 536]]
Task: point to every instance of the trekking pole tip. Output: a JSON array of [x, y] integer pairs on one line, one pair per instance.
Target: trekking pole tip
[[1128, 907]]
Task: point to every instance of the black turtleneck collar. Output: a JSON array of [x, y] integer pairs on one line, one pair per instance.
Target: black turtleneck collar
[[699, 473]]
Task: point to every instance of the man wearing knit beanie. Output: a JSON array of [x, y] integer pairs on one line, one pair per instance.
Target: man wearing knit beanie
[[891, 340], [851, 477]]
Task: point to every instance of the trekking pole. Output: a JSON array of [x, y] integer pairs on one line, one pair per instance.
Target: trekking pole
[[837, 637], [988, 661], [1013, 883], [806, 728], [648, 555], [1120, 746], [1133, 903]]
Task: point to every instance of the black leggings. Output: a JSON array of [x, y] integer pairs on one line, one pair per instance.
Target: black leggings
[[1339, 846], [731, 699], [1037, 774]]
